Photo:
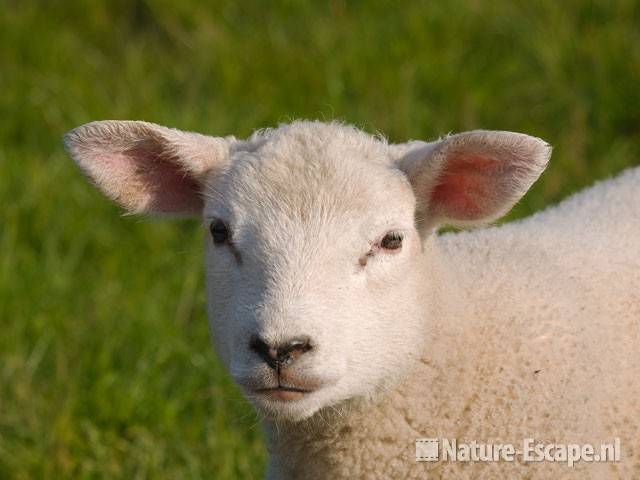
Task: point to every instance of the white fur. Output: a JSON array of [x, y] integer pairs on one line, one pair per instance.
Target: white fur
[[531, 329]]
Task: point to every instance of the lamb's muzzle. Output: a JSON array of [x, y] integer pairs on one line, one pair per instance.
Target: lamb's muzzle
[[281, 355]]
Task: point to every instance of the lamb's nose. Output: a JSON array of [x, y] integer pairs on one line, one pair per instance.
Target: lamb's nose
[[282, 354]]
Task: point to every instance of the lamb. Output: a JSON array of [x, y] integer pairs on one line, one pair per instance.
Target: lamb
[[355, 329]]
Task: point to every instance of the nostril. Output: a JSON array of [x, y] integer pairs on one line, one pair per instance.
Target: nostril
[[264, 350], [293, 349], [282, 354]]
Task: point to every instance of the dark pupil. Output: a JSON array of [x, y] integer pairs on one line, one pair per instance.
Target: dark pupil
[[219, 231], [391, 241]]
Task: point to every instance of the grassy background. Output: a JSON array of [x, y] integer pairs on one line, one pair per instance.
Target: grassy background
[[105, 365]]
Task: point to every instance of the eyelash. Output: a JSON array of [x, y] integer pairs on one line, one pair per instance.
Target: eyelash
[[393, 235], [393, 240], [219, 232], [221, 236]]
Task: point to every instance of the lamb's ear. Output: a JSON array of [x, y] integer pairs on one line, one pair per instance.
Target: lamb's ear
[[473, 178], [145, 167]]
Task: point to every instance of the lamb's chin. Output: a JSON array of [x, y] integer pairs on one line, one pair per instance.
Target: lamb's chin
[[318, 403], [286, 412]]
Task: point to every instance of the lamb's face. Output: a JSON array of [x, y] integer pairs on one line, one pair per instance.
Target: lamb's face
[[314, 264], [311, 266]]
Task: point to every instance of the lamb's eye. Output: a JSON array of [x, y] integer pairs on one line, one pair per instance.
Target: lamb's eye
[[391, 241], [219, 232]]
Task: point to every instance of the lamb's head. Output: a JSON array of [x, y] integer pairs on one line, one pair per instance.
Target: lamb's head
[[315, 239]]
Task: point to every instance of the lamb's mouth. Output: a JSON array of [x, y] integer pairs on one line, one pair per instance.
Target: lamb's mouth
[[283, 393]]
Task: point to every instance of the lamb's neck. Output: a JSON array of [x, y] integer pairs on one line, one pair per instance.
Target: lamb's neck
[[470, 274], [445, 290], [328, 444]]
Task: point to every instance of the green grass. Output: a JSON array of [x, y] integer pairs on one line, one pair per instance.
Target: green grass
[[106, 369]]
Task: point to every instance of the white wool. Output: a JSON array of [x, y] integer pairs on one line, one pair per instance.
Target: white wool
[[530, 329]]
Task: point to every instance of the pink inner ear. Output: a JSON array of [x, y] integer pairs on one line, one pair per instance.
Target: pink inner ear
[[467, 186], [170, 189], [154, 180]]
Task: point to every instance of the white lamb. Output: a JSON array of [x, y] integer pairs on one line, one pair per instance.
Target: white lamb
[[355, 329]]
